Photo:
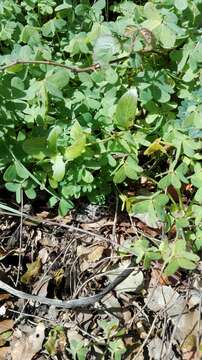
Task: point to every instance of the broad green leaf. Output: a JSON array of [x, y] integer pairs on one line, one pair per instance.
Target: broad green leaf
[[175, 181], [87, 176], [76, 149], [181, 4], [111, 75], [152, 24], [126, 109], [64, 8], [196, 179], [21, 170], [166, 36], [197, 213], [105, 47], [165, 182], [58, 168], [98, 6], [131, 168], [76, 131], [30, 35], [190, 256], [31, 193], [52, 201], [172, 267], [198, 195], [53, 137], [35, 146], [120, 175], [14, 187], [179, 246], [10, 174], [65, 206], [186, 264], [151, 12], [59, 79]]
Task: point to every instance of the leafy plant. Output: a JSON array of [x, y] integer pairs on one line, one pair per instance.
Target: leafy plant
[[95, 95]]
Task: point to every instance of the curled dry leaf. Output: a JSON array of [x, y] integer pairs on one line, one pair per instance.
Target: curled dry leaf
[[132, 283], [158, 350], [6, 325], [4, 352], [89, 255], [165, 298], [26, 346]]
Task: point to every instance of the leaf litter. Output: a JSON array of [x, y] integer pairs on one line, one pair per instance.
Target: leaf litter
[[145, 312]]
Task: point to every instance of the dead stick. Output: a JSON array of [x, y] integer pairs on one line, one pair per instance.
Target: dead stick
[[80, 303]]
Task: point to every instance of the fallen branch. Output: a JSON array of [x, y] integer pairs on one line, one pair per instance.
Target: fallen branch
[[80, 303]]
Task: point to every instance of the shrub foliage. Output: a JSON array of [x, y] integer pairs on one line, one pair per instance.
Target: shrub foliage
[[94, 95]]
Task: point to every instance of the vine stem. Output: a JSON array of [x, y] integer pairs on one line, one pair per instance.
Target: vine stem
[[75, 69]]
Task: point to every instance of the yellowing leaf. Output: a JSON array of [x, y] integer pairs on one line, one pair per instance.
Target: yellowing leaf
[[33, 270], [55, 337], [76, 149], [76, 131], [154, 147]]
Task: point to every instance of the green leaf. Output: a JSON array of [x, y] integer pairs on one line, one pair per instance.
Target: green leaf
[[14, 187], [58, 168], [198, 195], [10, 174], [151, 12], [120, 175], [35, 146], [126, 109], [21, 170], [59, 79], [31, 193], [30, 35], [105, 47], [165, 182], [53, 137], [172, 267], [181, 4], [196, 179], [87, 177], [166, 36], [186, 264], [131, 168], [64, 207], [76, 149]]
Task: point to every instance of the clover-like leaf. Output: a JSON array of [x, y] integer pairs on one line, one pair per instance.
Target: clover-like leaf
[[126, 109]]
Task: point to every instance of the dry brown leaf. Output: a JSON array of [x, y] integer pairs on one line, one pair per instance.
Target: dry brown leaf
[[6, 325], [4, 296], [189, 348], [26, 346], [89, 255], [157, 346], [4, 352], [133, 282]]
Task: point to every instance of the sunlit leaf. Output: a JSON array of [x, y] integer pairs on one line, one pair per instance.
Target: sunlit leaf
[[126, 109]]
